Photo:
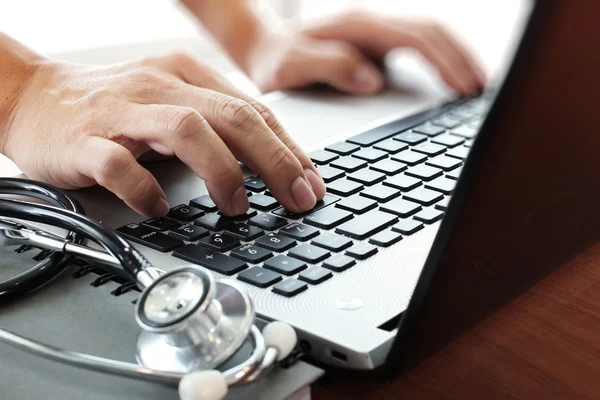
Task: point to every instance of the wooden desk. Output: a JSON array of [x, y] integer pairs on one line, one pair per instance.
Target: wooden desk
[[543, 345]]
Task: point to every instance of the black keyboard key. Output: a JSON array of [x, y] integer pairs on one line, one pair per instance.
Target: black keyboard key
[[468, 132], [344, 187], [322, 157], [343, 148], [391, 146], [380, 193], [327, 218], [204, 203], [431, 149], [411, 138], [299, 232], [242, 217], [330, 174], [213, 222], [251, 253], [385, 131], [444, 162], [403, 182], [365, 225], [185, 213], [309, 253], [290, 287], [285, 265], [424, 172], [424, 196], [388, 167], [446, 122], [409, 157], [367, 177], [259, 277], [324, 202], [454, 174], [349, 164], [429, 215], [255, 184], [362, 251], [357, 204], [339, 263], [332, 242], [458, 152], [315, 275], [443, 185], [407, 226], [210, 259], [220, 242], [276, 242], [443, 204], [263, 202], [268, 222], [385, 238], [189, 232], [160, 224], [371, 155], [448, 140], [244, 232], [401, 207], [429, 130], [149, 238]]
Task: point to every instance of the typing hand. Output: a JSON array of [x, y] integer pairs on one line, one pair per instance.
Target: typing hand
[[75, 126], [338, 52]]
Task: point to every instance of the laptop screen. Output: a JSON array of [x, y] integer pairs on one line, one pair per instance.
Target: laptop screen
[[525, 203]]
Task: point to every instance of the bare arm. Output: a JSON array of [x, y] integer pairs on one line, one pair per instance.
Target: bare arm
[[236, 24], [17, 67]]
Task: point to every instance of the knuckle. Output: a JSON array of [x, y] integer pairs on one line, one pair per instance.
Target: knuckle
[[237, 113], [147, 76], [141, 189], [180, 58], [282, 158], [111, 164], [183, 123]]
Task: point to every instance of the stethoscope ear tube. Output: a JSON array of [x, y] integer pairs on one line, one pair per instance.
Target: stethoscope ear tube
[[131, 260]]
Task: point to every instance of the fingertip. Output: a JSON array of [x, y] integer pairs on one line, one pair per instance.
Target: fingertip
[[316, 182], [303, 194], [160, 208], [367, 79], [239, 201]]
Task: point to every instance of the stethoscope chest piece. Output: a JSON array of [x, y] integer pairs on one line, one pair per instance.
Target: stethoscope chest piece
[[190, 322]]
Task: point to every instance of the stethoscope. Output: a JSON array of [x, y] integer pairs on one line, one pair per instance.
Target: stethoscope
[[191, 323]]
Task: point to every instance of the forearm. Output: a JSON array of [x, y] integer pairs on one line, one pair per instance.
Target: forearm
[[17, 65], [236, 24]]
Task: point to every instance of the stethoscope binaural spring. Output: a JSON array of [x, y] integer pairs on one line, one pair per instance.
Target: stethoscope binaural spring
[[191, 323]]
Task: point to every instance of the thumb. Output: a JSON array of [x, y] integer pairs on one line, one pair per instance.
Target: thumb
[[342, 66]]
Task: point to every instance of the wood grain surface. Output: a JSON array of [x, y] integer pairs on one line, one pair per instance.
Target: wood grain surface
[[543, 345]]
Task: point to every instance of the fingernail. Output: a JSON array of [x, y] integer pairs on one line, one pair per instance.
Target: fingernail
[[161, 207], [366, 78], [239, 201], [303, 194], [315, 181]]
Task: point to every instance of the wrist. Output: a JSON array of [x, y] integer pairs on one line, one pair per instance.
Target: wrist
[[236, 25], [17, 69]]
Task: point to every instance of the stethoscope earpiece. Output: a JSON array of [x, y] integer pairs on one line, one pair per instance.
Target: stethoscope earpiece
[[203, 385]]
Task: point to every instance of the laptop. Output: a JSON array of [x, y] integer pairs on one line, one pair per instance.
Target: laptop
[[433, 218]]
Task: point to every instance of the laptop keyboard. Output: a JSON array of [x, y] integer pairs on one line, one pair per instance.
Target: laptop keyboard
[[382, 185]]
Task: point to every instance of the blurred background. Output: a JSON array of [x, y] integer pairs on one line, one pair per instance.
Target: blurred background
[[63, 26]]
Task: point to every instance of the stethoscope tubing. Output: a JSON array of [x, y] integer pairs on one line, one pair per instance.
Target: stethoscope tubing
[[234, 375]]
